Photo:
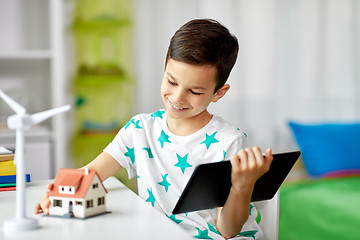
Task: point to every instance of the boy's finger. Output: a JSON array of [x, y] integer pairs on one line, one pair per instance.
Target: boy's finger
[[50, 186], [37, 209], [243, 158], [251, 160], [259, 156], [268, 154], [45, 207], [45, 195], [268, 157], [235, 162]]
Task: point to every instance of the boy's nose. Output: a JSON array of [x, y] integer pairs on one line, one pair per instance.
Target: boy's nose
[[178, 97]]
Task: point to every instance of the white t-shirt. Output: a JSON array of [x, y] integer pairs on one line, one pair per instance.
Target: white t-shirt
[[163, 163]]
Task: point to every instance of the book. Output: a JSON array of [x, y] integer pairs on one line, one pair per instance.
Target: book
[[2, 185], [7, 189], [12, 178], [7, 168], [6, 157]]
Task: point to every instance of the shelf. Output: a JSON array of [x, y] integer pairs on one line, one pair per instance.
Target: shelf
[[35, 133], [25, 54], [32, 72]]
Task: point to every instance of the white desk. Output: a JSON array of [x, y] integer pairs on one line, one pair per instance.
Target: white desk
[[130, 218]]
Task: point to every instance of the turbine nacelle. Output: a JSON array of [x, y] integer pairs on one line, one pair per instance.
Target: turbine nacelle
[[18, 121], [22, 120]]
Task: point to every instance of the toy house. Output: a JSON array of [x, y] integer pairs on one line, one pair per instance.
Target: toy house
[[77, 193]]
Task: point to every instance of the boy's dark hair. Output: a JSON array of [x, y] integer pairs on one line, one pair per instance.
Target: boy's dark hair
[[205, 42]]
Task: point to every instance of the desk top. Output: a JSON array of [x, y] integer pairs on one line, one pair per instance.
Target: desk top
[[130, 218]]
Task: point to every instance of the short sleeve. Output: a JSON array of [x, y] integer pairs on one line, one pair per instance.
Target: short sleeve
[[240, 142], [122, 150]]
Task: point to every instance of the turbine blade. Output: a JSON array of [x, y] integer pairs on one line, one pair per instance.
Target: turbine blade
[[14, 105], [41, 116]]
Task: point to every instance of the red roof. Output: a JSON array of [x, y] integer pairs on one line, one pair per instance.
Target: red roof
[[73, 177]]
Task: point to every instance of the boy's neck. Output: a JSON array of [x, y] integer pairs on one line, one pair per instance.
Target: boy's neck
[[185, 127]]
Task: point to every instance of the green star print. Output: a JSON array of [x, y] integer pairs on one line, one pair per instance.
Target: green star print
[[172, 217], [158, 114], [248, 234], [258, 217], [182, 163], [163, 138], [151, 197], [148, 150], [131, 154], [212, 229], [164, 182], [129, 123], [209, 140], [137, 125], [251, 206], [203, 234]]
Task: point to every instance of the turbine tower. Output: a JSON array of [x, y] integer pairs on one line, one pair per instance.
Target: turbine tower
[[20, 122]]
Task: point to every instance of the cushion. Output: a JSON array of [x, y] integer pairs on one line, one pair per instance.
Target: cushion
[[328, 148]]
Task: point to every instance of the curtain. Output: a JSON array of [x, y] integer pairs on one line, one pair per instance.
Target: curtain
[[299, 60]]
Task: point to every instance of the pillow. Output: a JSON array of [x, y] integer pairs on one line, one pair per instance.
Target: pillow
[[329, 148]]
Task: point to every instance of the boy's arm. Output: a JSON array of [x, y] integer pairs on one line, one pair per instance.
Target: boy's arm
[[105, 165], [246, 167]]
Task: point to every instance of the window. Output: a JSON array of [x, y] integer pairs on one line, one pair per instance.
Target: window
[[67, 189], [78, 203], [101, 201], [89, 203], [95, 185], [57, 203]]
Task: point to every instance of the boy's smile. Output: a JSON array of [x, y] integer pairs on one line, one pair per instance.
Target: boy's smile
[[187, 90]]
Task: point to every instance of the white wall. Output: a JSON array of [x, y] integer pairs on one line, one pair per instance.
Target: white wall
[[299, 60]]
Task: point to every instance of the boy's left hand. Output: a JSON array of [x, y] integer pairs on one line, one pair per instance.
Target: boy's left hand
[[247, 166]]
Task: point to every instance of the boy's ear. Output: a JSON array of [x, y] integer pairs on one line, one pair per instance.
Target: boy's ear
[[220, 93]]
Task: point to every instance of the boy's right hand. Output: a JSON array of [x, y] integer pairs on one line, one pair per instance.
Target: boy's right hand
[[43, 206]]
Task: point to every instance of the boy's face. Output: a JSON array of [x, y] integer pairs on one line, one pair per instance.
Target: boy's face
[[187, 90]]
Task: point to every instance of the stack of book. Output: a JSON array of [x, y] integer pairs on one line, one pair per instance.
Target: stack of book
[[8, 171]]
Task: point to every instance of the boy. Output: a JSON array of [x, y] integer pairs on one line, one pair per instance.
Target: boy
[[163, 148]]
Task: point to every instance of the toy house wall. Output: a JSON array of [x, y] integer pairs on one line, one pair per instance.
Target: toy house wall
[[78, 210], [94, 193]]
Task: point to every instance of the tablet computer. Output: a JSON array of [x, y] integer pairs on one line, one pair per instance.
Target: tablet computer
[[210, 183]]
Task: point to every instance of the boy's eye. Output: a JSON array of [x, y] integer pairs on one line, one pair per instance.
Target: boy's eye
[[195, 93], [171, 82]]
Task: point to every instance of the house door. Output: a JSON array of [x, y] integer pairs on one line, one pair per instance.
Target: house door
[[71, 208]]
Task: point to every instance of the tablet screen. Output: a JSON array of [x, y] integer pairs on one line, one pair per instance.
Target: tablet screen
[[210, 183]]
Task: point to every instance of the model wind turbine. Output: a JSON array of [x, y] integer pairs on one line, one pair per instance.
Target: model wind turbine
[[20, 122]]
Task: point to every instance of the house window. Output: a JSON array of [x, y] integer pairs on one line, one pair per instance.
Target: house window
[[89, 203], [78, 203], [95, 185], [57, 203], [67, 189], [101, 201]]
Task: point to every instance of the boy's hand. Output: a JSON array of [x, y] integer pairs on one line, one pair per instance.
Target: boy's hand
[[43, 206], [247, 166]]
